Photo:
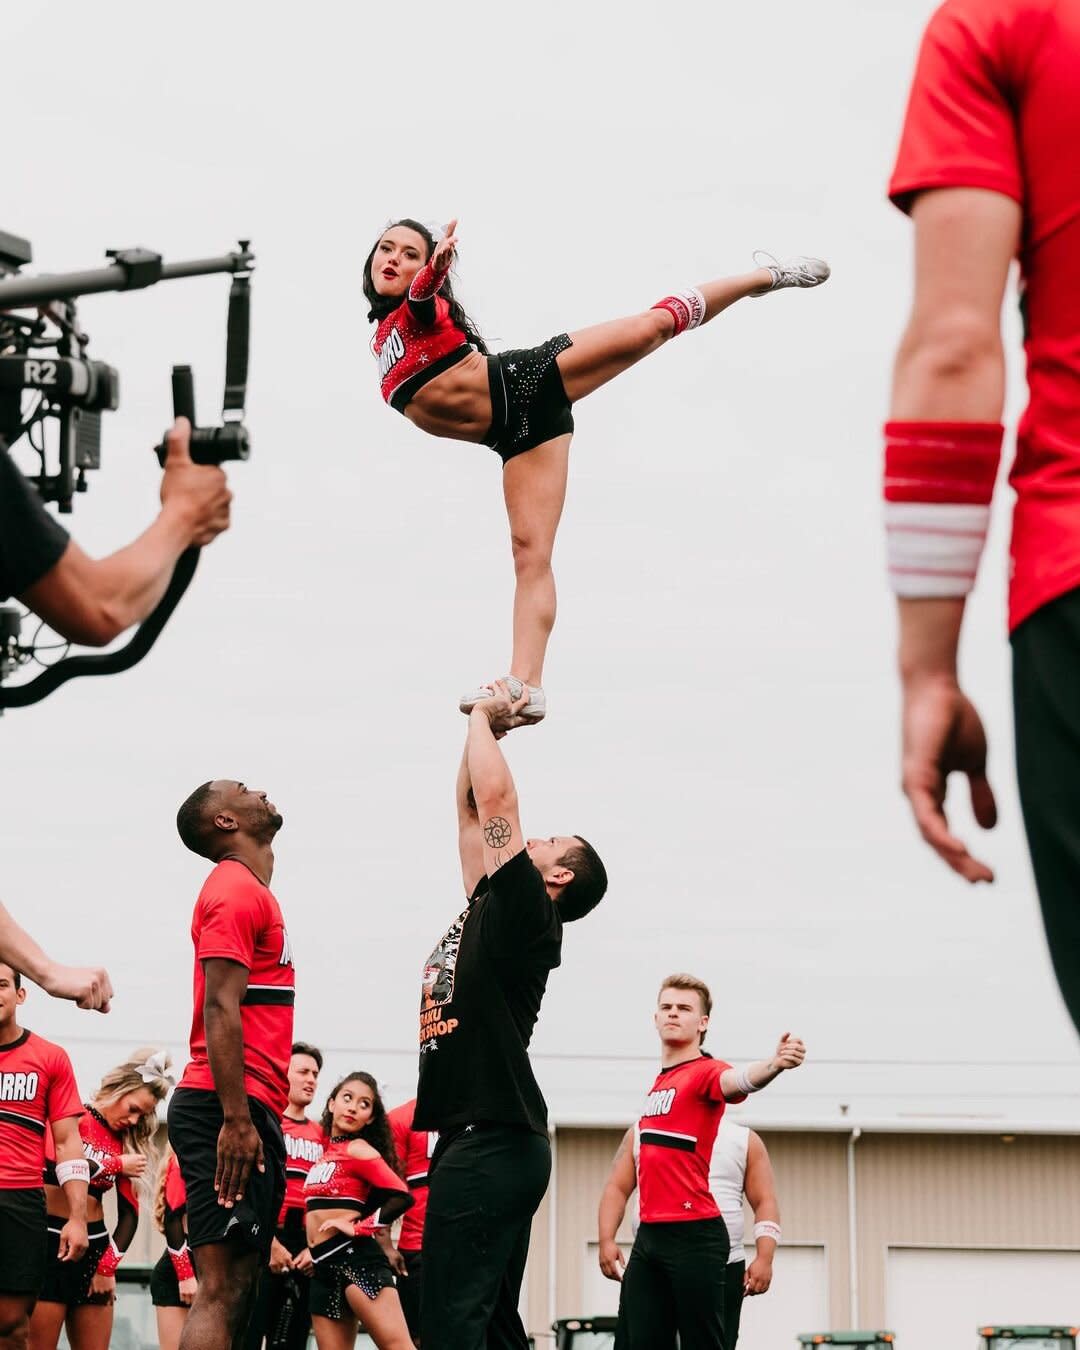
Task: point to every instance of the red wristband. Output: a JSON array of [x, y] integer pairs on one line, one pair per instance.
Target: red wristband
[[110, 1259], [181, 1262]]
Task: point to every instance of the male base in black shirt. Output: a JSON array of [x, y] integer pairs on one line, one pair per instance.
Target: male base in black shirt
[[482, 989]]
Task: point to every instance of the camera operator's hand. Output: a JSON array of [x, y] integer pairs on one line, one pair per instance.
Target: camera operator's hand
[[93, 601], [198, 491]]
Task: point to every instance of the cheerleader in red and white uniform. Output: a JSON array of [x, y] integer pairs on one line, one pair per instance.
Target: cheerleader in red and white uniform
[[173, 1284], [117, 1133], [351, 1196], [435, 369]]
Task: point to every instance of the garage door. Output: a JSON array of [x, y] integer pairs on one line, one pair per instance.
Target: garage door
[[798, 1300], [937, 1298]]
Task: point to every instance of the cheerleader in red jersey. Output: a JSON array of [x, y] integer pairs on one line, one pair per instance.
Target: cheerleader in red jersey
[[357, 1176], [679, 1259], [117, 1133], [435, 368], [414, 1149], [37, 1092], [173, 1283]]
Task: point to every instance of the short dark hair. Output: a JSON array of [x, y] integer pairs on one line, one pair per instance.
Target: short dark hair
[[15, 974], [193, 823], [302, 1048], [580, 896]]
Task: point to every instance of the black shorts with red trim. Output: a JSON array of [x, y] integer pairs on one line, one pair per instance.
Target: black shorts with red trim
[[23, 1250], [195, 1120]]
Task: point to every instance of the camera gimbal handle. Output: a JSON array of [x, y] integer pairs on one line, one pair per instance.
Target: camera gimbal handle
[[108, 663]]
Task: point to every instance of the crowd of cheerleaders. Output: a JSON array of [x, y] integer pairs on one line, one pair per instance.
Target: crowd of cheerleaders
[[53, 1144], [357, 1156]]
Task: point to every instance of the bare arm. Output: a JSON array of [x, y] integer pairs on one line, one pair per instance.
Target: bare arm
[[88, 987], [92, 602], [492, 783], [759, 1186], [735, 1083], [470, 840], [619, 1187], [950, 367], [239, 1145], [69, 1148]]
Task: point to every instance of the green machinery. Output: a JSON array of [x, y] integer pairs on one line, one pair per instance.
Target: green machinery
[[864, 1340], [1027, 1338]]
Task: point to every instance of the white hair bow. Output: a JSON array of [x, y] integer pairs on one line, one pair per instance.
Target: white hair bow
[[156, 1068]]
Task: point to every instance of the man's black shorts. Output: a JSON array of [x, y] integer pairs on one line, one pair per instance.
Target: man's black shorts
[[195, 1119], [22, 1241]]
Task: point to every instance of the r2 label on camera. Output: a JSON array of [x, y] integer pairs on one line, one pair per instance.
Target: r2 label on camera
[[39, 372]]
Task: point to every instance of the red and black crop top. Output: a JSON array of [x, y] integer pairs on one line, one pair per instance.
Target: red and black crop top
[[418, 340], [103, 1149], [340, 1181]]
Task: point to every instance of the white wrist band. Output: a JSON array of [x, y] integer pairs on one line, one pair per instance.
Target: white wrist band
[[744, 1082], [767, 1229], [74, 1169]]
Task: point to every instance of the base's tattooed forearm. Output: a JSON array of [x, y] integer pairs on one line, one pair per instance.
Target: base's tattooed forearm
[[497, 832]]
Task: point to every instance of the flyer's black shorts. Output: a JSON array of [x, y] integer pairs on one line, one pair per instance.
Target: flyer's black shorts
[[528, 399], [359, 1261], [68, 1282], [195, 1119], [22, 1240]]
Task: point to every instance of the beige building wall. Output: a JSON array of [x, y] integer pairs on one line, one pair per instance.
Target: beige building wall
[[961, 1191], [910, 1189]]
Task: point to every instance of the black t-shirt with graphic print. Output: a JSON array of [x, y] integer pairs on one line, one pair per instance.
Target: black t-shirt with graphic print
[[482, 990]]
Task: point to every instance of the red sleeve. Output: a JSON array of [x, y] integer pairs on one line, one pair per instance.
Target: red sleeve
[[399, 1128], [231, 919], [62, 1098], [960, 128], [175, 1191], [710, 1083]]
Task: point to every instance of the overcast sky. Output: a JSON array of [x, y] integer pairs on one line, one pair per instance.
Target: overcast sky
[[722, 706]]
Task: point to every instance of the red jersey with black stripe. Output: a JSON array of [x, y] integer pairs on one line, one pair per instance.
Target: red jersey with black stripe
[[237, 919], [677, 1130], [305, 1144], [995, 104], [418, 340], [37, 1086], [414, 1150], [340, 1181]]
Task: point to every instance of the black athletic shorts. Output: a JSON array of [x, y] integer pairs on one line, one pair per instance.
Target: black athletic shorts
[[528, 399], [22, 1240], [68, 1282], [409, 1289], [195, 1119], [342, 1261]]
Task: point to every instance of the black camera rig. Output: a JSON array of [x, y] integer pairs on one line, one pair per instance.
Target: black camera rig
[[45, 373]]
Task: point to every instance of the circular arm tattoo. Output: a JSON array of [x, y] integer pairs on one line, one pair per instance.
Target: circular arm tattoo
[[497, 832]]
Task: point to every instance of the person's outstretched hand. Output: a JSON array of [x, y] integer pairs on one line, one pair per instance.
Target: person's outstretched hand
[[943, 734], [443, 256], [502, 711]]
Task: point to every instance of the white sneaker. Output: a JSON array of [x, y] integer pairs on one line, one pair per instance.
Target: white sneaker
[[533, 711], [801, 272]]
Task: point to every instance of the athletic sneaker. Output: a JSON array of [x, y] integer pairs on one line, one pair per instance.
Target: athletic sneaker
[[533, 711], [802, 272]]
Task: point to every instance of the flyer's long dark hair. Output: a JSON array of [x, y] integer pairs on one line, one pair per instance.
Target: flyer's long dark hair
[[377, 1131], [382, 305]]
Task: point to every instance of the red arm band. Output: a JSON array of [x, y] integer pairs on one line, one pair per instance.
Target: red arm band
[[110, 1259], [181, 1262], [426, 283], [953, 462]]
